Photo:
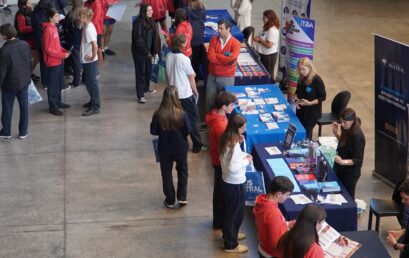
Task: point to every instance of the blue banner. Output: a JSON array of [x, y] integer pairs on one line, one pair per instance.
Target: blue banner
[[391, 108]]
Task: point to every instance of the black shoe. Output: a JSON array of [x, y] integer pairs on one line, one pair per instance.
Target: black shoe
[[203, 127], [56, 112], [109, 52], [35, 78], [87, 105], [6, 10], [63, 105], [199, 149], [66, 87], [90, 112]]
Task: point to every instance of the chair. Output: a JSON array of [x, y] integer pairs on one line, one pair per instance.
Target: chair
[[382, 208], [338, 105], [248, 34]]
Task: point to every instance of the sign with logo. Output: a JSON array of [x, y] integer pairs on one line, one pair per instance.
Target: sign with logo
[[254, 186], [290, 9], [300, 43], [391, 109]]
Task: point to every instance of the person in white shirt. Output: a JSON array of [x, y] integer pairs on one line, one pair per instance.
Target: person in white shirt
[[180, 73], [233, 162], [267, 42], [89, 60], [242, 12]]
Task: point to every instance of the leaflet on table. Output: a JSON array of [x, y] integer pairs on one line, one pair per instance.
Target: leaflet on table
[[259, 101], [300, 199], [246, 58], [330, 141], [266, 117], [293, 162], [272, 125], [280, 107], [335, 199], [271, 100], [280, 168], [335, 245], [273, 150], [329, 186], [281, 117]]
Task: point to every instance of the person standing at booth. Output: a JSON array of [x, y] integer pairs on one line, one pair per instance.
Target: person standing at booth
[[242, 12], [143, 50], [223, 52], [310, 94], [234, 162], [350, 150], [267, 42]]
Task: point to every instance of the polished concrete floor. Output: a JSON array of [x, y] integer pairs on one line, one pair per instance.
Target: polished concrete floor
[[89, 186]]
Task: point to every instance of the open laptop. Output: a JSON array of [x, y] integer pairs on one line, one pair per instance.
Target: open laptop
[[289, 137]]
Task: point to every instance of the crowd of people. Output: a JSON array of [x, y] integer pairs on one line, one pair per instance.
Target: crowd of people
[[81, 41]]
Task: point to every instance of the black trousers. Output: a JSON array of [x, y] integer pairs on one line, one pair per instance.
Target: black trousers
[[218, 198], [199, 57], [74, 62], [55, 82], [166, 167], [234, 197], [43, 68], [269, 62], [143, 71], [349, 181], [190, 107]]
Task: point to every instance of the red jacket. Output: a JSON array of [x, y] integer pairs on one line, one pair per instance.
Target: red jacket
[[184, 28], [53, 52], [160, 7], [219, 61], [315, 251], [97, 7], [25, 31], [270, 222], [217, 125]]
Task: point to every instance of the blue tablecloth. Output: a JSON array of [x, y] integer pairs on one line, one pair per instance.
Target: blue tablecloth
[[216, 15], [257, 132], [341, 217], [371, 247]]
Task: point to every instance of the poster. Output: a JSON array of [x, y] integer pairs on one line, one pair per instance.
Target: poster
[[300, 43], [289, 9], [391, 108]]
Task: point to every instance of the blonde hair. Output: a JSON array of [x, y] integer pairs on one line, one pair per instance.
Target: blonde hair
[[305, 61], [87, 12]]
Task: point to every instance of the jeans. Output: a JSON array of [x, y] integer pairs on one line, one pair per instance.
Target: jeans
[[166, 167], [55, 82], [190, 107], [234, 197], [214, 85], [143, 71], [75, 62], [89, 75], [7, 102]]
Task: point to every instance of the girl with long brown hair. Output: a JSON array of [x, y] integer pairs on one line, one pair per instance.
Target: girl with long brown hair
[[350, 150], [172, 125]]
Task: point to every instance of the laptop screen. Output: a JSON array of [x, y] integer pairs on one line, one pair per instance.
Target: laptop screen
[[289, 136]]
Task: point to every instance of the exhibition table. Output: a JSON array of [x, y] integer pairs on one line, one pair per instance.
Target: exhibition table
[[214, 16], [372, 246], [341, 217], [257, 131]]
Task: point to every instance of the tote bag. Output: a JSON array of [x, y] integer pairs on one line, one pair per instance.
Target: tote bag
[[33, 95]]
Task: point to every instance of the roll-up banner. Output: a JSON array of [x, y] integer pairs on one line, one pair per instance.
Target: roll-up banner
[[300, 43], [391, 109], [289, 9]]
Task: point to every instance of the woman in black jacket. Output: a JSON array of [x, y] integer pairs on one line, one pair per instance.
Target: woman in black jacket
[[350, 150], [143, 49], [310, 94]]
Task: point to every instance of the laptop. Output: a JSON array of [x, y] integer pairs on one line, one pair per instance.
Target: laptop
[[289, 136]]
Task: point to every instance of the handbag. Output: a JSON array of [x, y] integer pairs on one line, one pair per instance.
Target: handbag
[[33, 94], [254, 185]]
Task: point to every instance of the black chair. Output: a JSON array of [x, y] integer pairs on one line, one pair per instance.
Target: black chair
[[338, 105], [382, 208], [248, 34]]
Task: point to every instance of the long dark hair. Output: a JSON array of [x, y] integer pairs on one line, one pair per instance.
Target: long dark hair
[[170, 111], [180, 16], [349, 115], [296, 242], [272, 20], [147, 22], [231, 135]]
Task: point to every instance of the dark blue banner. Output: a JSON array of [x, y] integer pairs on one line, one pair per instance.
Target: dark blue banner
[[391, 108]]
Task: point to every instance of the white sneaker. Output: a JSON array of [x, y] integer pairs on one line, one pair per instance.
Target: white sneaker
[[142, 100], [22, 136]]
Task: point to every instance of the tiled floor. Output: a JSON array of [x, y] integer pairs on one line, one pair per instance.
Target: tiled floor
[[89, 186]]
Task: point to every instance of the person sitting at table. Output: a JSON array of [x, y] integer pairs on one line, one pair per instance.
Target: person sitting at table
[[217, 122], [267, 42], [302, 239], [234, 162], [403, 217], [242, 12], [223, 52], [270, 222], [350, 150], [310, 94], [399, 239]]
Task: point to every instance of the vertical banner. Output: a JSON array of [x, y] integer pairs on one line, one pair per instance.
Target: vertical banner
[[300, 43], [391, 108], [289, 9]]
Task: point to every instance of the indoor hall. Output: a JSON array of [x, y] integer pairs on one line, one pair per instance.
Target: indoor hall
[[89, 186]]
